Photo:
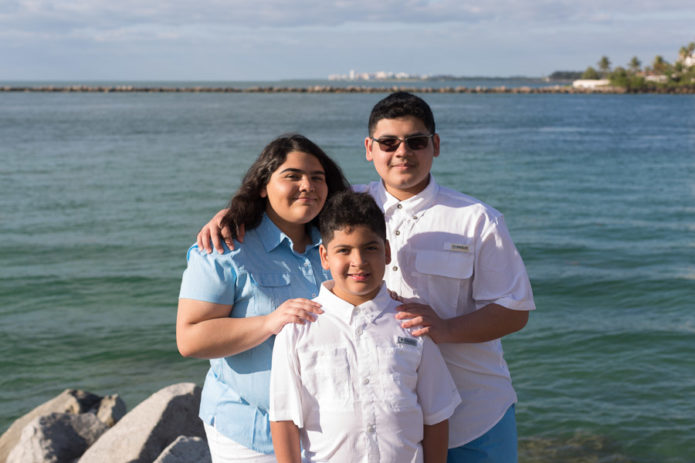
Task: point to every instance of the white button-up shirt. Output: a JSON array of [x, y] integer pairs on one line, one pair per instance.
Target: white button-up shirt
[[453, 252], [359, 387]]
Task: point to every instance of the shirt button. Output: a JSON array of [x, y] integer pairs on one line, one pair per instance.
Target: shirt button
[[359, 331], [400, 206], [394, 268], [397, 233], [365, 381], [313, 295], [414, 217], [371, 428]]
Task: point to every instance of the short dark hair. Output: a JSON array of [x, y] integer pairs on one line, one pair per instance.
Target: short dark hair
[[348, 209], [401, 104], [247, 206]]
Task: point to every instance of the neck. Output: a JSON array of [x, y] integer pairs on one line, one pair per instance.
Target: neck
[[300, 238], [402, 194], [296, 232]]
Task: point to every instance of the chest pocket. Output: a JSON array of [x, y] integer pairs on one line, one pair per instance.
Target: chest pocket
[[398, 372], [441, 276], [272, 290], [326, 376]]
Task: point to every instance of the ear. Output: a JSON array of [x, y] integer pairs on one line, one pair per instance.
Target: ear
[[264, 192], [387, 250], [368, 149], [324, 260], [435, 144]]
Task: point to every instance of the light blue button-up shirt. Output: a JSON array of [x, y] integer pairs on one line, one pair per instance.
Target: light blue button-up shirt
[[256, 277]]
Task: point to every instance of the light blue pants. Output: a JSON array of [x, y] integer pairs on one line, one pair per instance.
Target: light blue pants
[[498, 445]]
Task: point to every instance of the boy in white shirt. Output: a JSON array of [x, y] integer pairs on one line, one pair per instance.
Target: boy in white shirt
[[354, 385]]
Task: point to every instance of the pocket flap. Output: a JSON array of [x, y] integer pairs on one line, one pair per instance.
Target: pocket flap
[[273, 279], [444, 263]]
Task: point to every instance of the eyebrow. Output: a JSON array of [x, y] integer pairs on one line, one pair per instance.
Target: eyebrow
[[340, 245], [300, 171], [414, 134]]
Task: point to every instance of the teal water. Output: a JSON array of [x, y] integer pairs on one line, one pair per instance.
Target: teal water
[[101, 194]]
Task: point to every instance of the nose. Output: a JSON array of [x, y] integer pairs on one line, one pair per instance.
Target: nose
[[306, 184], [357, 258], [402, 149]]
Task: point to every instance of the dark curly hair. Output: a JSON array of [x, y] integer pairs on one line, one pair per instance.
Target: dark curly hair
[[247, 206]]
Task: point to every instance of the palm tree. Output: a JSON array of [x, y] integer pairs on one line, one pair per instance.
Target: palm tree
[[590, 73], [604, 64], [683, 53], [635, 64], [660, 64]]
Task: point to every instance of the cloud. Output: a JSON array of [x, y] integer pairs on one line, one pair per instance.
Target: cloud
[[67, 16], [276, 39]]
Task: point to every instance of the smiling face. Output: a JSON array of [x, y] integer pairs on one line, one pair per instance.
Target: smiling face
[[405, 172], [296, 191], [356, 258]]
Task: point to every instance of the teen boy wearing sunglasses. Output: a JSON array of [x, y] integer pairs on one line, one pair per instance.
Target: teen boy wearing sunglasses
[[454, 264], [456, 267]]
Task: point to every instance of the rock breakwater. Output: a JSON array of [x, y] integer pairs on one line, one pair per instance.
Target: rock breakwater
[[553, 89], [81, 427]]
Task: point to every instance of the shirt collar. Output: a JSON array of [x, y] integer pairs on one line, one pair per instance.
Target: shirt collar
[[412, 205], [272, 237], [345, 311]]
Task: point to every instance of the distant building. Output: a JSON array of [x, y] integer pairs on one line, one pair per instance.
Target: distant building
[[660, 78], [379, 75], [590, 83]]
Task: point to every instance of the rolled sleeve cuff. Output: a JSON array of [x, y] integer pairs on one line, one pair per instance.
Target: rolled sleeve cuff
[[514, 304]]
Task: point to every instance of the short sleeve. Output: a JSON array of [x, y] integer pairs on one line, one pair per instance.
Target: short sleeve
[[208, 277], [285, 382], [500, 274], [436, 389]]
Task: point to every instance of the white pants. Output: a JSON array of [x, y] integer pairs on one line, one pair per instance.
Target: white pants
[[225, 450]]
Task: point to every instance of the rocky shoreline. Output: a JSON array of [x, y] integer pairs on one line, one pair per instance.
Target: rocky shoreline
[[80, 427], [553, 89]]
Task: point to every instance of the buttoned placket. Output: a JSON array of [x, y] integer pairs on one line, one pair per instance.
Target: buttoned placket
[[310, 277], [399, 223], [365, 350]]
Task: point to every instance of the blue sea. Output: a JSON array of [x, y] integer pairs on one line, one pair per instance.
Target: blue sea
[[101, 195]]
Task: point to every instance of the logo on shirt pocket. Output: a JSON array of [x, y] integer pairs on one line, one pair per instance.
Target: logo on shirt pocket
[[407, 341]]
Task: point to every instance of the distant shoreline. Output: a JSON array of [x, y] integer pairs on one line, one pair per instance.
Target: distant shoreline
[[553, 89]]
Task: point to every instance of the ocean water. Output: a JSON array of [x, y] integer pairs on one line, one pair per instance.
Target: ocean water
[[101, 194]]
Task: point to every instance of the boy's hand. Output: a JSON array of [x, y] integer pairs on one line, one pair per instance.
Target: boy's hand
[[212, 231], [424, 320]]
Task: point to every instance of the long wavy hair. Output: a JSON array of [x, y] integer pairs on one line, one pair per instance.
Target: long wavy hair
[[247, 206]]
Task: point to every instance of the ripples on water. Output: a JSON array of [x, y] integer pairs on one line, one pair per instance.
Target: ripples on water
[[100, 196]]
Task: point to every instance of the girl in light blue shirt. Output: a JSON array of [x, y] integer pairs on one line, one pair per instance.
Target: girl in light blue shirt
[[232, 304]]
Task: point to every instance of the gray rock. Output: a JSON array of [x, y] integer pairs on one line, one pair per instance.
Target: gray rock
[[69, 401], [142, 435], [186, 450], [56, 438], [111, 409]]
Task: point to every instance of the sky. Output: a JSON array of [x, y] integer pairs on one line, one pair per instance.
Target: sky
[[272, 40]]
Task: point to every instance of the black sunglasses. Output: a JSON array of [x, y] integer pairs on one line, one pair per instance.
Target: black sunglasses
[[413, 142]]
